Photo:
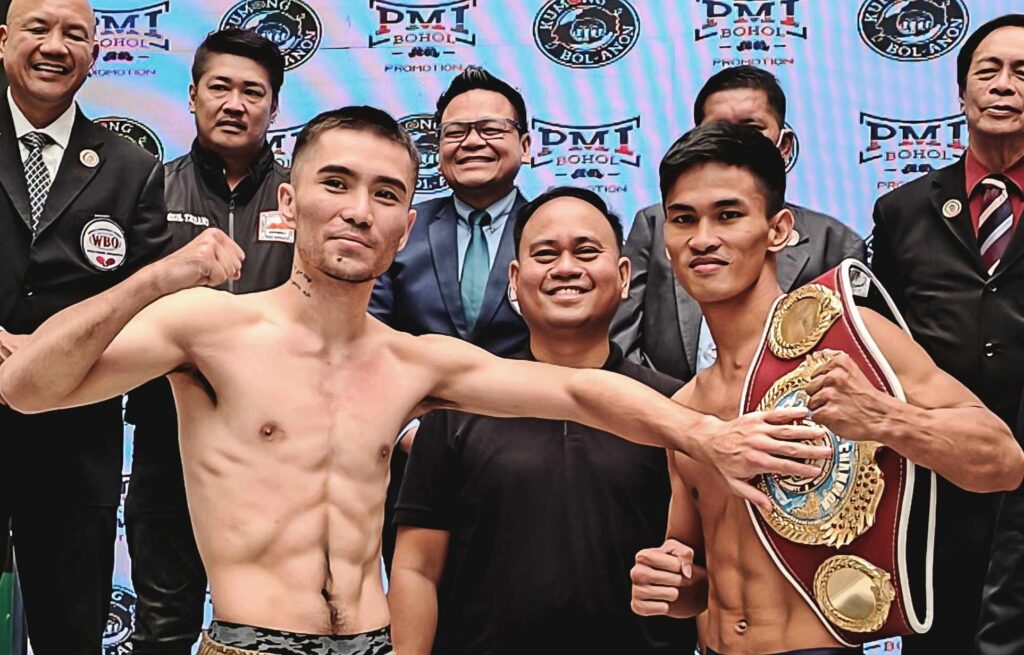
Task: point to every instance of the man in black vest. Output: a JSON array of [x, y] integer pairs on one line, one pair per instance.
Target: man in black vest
[[81, 209], [948, 249], [228, 180]]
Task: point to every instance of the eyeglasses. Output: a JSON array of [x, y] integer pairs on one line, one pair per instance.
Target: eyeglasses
[[489, 129]]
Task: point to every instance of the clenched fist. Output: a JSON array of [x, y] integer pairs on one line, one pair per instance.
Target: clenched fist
[[843, 400], [659, 577], [210, 259]]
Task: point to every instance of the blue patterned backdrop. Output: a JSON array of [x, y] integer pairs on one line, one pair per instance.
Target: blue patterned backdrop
[[609, 84]]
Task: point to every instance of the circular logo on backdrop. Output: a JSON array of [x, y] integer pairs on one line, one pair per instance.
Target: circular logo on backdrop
[[103, 244], [422, 128], [913, 30], [120, 622], [135, 132], [586, 33], [291, 24]]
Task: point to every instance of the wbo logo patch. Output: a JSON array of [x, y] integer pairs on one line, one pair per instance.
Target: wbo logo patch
[[103, 244]]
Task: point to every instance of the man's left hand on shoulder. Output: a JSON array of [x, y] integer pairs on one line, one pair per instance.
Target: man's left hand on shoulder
[[843, 400]]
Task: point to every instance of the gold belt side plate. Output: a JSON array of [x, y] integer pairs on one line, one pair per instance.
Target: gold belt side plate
[[836, 506], [853, 593], [802, 319]]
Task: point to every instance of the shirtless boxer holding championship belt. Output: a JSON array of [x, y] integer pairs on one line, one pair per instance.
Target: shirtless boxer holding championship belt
[[856, 540]]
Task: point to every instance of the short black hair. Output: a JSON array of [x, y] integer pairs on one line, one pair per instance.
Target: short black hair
[[362, 118], [742, 77], [527, 211], [733, 145], [963, 59], [475, 77], [243, 43]]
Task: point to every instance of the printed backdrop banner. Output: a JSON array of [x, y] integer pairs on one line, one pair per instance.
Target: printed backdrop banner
[[609, 84]]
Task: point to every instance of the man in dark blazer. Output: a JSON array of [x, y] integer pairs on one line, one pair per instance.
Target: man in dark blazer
[[659, 323], [948, 249], [452, 276], [80, 210]]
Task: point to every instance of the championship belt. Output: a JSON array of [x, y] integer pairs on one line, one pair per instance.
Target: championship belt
[[856, 540]]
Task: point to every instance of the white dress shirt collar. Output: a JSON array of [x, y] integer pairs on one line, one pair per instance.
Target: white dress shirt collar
[[59, 130]]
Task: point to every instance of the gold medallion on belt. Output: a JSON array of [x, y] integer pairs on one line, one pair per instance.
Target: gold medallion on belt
[[802, 319]]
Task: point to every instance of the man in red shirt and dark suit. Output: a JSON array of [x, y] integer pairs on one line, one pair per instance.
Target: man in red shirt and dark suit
[[948, 248]]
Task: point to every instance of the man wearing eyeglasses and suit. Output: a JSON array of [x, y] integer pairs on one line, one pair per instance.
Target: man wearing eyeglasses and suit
[[451, 277]]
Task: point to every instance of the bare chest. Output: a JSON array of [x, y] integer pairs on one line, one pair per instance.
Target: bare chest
[[276, 401]]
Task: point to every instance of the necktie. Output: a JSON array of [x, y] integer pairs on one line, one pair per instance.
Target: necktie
[[36, 176], [475, 267], [995, 224]]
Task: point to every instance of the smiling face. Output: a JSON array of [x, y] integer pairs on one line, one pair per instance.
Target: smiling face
[[349, 201], [993, 94], [474, 162], [233, 104], [717, 234], [48, 49], [568, 274]]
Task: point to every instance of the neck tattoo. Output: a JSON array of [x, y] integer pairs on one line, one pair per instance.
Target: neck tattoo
[[302, 282]]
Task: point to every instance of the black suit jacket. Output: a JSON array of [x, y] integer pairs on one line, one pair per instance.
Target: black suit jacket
[[660, 323], [1000, 630], [420, 292], [924, 251], [43, 276]]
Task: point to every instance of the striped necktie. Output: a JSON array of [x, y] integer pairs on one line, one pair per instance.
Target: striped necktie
[[476, 267], [995, 224], [37, 178]]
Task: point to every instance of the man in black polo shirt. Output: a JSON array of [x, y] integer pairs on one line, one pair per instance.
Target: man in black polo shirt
[[517, 535]]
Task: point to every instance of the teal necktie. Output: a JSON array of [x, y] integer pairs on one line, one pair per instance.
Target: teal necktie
[[476, 267]]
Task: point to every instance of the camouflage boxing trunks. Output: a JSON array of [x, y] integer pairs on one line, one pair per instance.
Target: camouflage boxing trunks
[[233, 639]]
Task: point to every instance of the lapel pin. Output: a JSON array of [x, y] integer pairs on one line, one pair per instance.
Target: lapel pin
[[89, 158], [952, 208]]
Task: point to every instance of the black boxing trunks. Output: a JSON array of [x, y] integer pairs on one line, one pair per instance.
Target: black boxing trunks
[[233, 639]]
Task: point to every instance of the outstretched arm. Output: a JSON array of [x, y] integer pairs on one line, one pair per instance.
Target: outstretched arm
[[70, 360], [473, 380], [942, 425]]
